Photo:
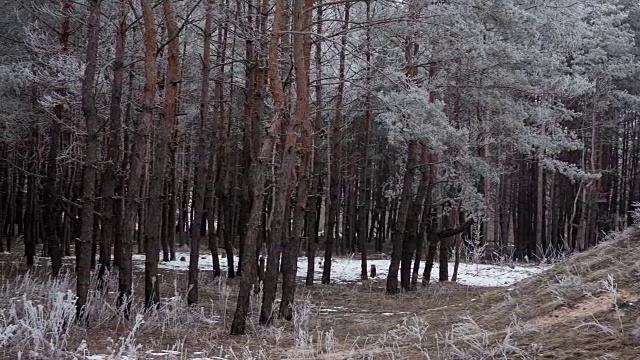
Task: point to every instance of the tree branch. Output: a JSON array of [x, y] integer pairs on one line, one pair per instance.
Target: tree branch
[[452, 232]]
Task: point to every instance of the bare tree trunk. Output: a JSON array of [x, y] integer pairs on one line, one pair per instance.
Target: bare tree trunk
[[411, 71], [152, 228], [163, 136], [258, 174], [138, 160], [222, 177], [333, 158], [445, 247], [202, 159], [114, 144], [315, 203], [540, 204], [173, 199], [4, 194], [211, 213], [412, 235], [457, 242], [400, 226], [91, 156], [28, 218], [121, 188], [302, 124], [284, 183], [51, 191], [364, 170]]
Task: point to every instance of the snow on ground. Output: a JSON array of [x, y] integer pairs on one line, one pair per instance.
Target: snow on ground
[[348, 269]]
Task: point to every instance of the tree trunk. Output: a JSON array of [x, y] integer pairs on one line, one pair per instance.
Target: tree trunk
[[284, 182], [51, 192], [400, 225], [412, 235], [315, 202], [539, 207], [258, 174], [202, 159], [283, 185], [163, 136], [445, 246], [173, 199], [222, 177], [114, 144], [91, 157], [302, 124], [211, 211], [364, 203], [432, 247], [457, 242], [333, 158], [137, 161]]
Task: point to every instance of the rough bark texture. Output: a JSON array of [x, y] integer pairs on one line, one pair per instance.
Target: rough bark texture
[[315, 202], [51, 201], [199, 184], [137, 163], [400, 226], [89, 110], [257, 172], [163, 132], [110, 208], [284, 183], [412, 235], [302, 125], [333, 159]]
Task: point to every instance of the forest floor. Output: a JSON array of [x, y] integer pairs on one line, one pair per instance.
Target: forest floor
[[584, 308]]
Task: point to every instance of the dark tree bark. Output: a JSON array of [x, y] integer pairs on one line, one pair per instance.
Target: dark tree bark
[[333, 158], [400, 225], [223, 178], [202, 159], [364, 203], [258, 174], [412, 236], [110, 178], [445, 247], [51, 202], [162, 139], [50, 195], [211, 213], [284, 182], [315, 202], [28, 219], [302, 124], [137, 162], [283, 188], [173, 199], [91, 156]]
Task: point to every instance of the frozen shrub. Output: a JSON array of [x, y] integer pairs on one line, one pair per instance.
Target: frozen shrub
[[635, 213]]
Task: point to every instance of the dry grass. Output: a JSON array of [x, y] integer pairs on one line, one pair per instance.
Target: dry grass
[[582, 308], [585, 308]]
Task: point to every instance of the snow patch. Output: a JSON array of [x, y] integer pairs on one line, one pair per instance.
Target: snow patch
[[348, 270]]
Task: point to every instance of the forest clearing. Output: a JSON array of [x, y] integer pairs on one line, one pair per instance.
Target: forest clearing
[[584, 307]]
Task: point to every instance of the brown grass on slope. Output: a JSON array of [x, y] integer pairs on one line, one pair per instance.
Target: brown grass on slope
[[584, 308], [587, 307]]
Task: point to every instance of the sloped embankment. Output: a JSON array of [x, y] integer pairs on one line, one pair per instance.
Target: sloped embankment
[[585, 308]]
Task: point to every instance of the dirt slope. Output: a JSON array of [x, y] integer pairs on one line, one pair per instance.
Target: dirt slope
[[587, 307]]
